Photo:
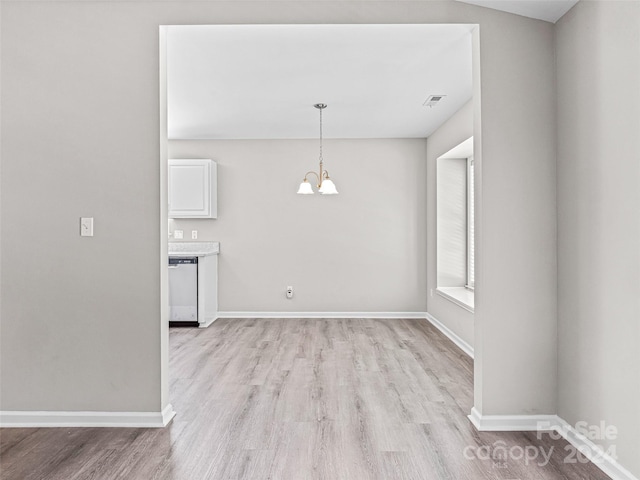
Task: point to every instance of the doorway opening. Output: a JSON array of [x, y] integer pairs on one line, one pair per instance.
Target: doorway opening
[[241, 95]]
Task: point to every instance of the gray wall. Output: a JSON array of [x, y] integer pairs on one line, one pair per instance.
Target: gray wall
[[81, 325], [598, 46], [360, 251], [453, 132], [515, 292], [80, 137]]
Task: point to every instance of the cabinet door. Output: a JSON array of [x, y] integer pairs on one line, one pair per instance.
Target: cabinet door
[[192, 189]]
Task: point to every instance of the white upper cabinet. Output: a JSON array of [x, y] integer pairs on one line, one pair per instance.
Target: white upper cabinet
[[193, 188]]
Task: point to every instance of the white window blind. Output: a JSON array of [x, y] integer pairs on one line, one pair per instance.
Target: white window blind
[[470, 224]]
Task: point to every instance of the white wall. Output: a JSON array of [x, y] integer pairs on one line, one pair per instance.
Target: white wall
[[598, 45], [453, 132], [363, 250], [80, 136]]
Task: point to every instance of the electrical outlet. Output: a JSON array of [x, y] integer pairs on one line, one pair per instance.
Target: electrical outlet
[[177, 234], [289, 292], [194, 234]]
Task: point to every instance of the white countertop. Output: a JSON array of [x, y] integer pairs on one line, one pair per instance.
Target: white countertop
[[193, 249]]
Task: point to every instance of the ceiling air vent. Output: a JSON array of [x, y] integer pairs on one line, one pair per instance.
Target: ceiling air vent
[[433, 100]]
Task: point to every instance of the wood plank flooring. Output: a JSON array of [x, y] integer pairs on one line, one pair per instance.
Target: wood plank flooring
[[293, 399]]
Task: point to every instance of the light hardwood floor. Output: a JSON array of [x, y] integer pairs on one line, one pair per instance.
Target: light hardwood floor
[[293, 399]]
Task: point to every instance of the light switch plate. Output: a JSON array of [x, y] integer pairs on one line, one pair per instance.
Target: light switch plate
[[194, 234], [86, 226], [177, 234]]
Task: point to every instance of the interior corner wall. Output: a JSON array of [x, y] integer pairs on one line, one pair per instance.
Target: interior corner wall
[[363, 250], [598, 71], [80, 138], [454, 131]]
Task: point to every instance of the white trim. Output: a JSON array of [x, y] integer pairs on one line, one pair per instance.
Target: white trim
[[207, 322], [40, 419], [475, 418], [593, 452], [420, 315], [167, 415], [512, 423], [456, 294], [451, 335], [542, 423]]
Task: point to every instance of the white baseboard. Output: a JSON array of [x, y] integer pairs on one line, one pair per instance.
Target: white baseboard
[[524, 423], [513, 423], [451, 335], [321, 314], [167, 415], [39, 419], [593, 452], [207, 322]]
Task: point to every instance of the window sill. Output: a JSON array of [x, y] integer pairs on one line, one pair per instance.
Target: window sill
[[461, 296]]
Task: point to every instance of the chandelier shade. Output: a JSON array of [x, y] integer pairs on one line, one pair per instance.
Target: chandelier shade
[[305, 188], [328, 187]]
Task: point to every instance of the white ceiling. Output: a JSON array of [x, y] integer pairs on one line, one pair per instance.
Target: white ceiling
[[261, 81], [548, 10]]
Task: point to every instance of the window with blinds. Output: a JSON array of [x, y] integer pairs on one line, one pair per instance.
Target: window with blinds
[[470, 225]]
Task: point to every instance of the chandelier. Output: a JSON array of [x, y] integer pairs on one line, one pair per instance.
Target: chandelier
[[325, 185]]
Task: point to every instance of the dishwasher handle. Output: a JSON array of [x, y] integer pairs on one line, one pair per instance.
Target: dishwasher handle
[[176, 261]]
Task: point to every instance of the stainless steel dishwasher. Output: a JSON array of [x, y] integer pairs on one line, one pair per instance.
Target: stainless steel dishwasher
[[183, 291]]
